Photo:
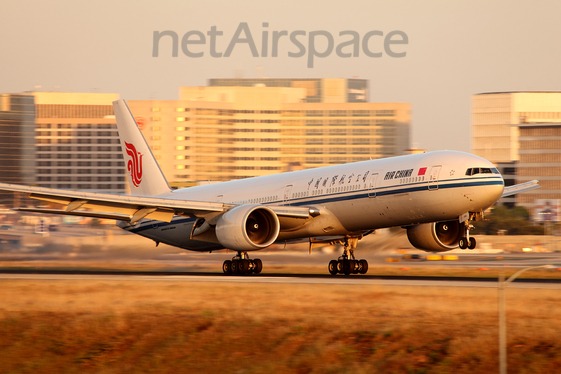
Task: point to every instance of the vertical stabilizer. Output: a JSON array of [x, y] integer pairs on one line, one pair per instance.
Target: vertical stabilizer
[[143, 172]]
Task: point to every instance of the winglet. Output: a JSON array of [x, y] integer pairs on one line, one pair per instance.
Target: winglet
[[143, 172]]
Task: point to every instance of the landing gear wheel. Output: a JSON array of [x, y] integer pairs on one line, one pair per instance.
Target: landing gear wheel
[[463, 243], [258, 266], [227, 267], [354, 266], [347, 267], [243, 267], [472, 243], [363, 264], [347, 263], [333, 265]]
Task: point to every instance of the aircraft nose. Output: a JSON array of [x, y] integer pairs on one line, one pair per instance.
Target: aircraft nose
[[494, 189]]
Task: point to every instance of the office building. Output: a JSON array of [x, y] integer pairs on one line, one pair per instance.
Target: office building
[[17, 142], [318, 90], [77, 144], [495, 116], [540, 158], [220, 133]]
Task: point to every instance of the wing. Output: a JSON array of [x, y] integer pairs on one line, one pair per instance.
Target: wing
[[131, 208], [522, 187]]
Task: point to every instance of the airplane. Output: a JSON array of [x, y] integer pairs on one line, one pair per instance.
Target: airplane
[[435, 196]]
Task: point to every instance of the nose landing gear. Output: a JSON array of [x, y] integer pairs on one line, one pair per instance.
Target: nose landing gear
[[466, 241], [347, 263], [242, 265]]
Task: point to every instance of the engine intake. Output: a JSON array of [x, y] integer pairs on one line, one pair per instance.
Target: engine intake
[[435, 237], [248, 227]]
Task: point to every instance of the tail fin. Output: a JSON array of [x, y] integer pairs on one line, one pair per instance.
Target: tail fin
[[143, 172]]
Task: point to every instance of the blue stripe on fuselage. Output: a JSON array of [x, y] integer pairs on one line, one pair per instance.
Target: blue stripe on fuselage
[[344, 196], [392, 190]]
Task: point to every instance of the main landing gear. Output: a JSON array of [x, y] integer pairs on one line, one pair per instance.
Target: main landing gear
[[466, 241], [347, 264], [242, 265]]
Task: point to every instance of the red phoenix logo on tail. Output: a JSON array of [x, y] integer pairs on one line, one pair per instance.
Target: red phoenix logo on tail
[[135, 164]]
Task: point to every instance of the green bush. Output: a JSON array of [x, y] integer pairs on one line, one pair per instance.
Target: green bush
[[514, 220]]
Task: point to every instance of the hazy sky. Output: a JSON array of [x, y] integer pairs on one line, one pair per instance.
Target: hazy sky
[[456, 49]]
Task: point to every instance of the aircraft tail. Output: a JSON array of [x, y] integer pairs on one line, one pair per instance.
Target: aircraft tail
[[143, 172]]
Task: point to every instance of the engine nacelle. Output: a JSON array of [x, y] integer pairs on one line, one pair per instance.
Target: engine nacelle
[[435, 237], [248, 227]]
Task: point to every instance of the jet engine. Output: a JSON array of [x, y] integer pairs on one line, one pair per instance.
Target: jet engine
[[248, 227], [435, 237]]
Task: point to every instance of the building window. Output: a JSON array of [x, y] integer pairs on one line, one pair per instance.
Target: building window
[[360, 141], [314, 141], [361, 113], [385, 113]]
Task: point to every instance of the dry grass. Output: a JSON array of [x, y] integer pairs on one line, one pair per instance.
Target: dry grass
[[180, 326]]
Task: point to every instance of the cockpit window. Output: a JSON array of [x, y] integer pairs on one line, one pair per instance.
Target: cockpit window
[[473, 171]]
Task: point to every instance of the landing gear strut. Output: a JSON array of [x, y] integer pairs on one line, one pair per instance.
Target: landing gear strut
[[242, 265], [347, 263], [466, 241]]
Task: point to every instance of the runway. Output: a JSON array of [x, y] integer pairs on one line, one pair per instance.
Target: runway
[[280, 279]]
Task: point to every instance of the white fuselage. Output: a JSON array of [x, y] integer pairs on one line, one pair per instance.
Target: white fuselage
[[368, 195]]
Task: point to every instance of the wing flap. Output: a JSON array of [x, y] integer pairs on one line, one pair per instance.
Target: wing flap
[[152, 213], [522, 187], [119, 217]]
